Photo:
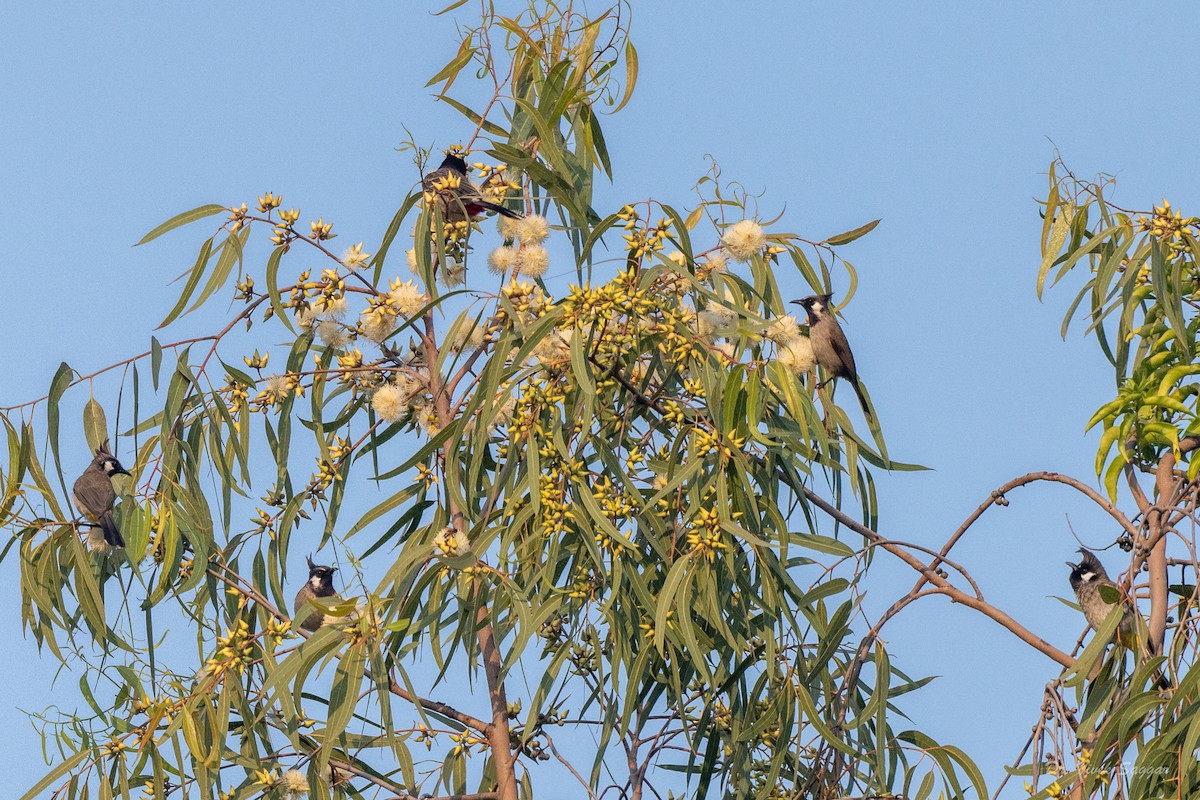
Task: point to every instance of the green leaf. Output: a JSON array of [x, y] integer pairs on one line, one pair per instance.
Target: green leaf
[[273, 287], [197, 213], [68, 765], [58, 384], [631, 74], [822, 544], [155, 360], [449, 72], [850, 236], [193, 281], [95, 425], [1052, 245], [231, 253], [343, 696]]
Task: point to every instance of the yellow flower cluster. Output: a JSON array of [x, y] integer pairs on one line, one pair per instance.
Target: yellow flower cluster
[[236, 396], [451, 542], [643, 239], [612, 501], [552, 489], [277, 390], [268, 202], [234, 652], [704, 534], [285, 231], [465, 740], [321, 230], [1166, 222], [495, 183]]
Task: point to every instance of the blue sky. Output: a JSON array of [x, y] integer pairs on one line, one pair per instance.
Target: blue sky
[[940, 118]]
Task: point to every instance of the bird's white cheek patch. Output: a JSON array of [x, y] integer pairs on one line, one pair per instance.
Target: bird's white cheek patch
[[1087, 577]]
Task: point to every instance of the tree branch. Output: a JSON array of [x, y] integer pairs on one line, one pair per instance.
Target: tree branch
[[943, 586]]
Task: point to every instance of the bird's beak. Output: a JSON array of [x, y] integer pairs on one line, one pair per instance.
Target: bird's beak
[[1072, 566]]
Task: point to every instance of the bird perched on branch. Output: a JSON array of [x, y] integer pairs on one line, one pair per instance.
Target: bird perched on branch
[[1091, 583], [319, 585], [830, 347], [94, 494], [456, 195]]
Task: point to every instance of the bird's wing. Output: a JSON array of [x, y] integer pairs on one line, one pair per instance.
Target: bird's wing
[[302, 598], [94, 494], [842, 348], [431, 178]]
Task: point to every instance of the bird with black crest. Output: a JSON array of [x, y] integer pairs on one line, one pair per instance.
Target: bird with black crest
[[95, 496], [318, 586], [829, 344], [456, 195], [1097, 595]]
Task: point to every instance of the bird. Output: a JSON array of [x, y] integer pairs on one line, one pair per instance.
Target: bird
[[1088, 577], [830, 347], [458, 197], [94, 494], [318, 585]]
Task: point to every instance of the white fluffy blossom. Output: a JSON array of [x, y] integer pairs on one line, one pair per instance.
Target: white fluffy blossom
[[354, 258], [306, 317], [507, 227], [332, 307], [532, 229], [451, 542], [798, 355], [716, 261], [533, 260], [469, 336], [406, 297], [502, 259], [783, 330], [295, 784], [504, 412], [554, 349], [726, 349], [389, 402], [332, 333], [277, 387], [455, 274], [413, 384], [744, 239], [377, 324]]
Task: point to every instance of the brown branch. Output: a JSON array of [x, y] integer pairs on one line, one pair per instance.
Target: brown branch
[[437, 707], [346, 766], [1135, 489], [1152, 549], [1024, 480], [497, 732], [943, 586]]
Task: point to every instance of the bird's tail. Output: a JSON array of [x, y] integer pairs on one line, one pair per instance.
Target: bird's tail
[[112, 534], [1137, 641], [499, 209], [862, 400]]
